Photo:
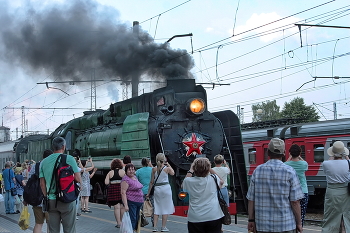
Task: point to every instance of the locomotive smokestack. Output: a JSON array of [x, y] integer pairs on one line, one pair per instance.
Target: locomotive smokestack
[[135, 77]]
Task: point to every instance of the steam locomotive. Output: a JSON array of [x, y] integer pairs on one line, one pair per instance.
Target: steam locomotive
[[173, 120], [313, 138]]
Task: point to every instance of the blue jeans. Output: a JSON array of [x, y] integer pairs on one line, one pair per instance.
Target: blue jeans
[[225, 194], [134, 212], [9, 202]]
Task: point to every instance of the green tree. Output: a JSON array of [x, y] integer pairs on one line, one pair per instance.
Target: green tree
[[266, 111], [297, 109]]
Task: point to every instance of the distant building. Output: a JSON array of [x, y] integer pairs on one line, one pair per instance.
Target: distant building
[[4, 134]]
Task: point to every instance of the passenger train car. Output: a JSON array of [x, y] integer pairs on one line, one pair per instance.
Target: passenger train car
[[313, 138]]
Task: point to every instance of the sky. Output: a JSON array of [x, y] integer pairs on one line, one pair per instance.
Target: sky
[[251, 49]]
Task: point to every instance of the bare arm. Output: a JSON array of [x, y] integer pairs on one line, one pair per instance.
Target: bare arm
[[169, 170], [251, 217], [77, 177], [43, 186], [297, 214], [93, 173], [152, 179], [124, 187], [108, 177]]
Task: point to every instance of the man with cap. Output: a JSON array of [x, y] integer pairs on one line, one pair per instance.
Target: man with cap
[[274, 194], [337, 199]]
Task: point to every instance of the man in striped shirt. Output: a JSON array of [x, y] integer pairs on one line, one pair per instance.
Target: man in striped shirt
[[274, 194]]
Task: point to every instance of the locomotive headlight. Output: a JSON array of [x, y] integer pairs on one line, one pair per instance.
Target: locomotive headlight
[[196, 106]]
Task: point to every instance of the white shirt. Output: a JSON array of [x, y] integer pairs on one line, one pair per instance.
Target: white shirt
[[337, 171], [222, 172], [204, 204]]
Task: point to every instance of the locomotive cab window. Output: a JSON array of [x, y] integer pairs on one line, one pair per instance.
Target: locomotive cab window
[[252, 155], [318, 153]]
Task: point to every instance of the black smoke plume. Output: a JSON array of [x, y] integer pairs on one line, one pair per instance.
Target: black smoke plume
[[66, 39]]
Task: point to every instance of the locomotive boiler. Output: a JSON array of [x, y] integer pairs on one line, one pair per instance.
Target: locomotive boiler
[[173, 120]]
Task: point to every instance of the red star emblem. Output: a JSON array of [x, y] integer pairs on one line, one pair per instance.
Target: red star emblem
[[194, 145]]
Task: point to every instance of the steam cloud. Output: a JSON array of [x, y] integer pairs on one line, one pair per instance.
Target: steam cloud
[[68, 38]]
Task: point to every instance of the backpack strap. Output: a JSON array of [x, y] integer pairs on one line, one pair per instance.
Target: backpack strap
[[37, 167], [54, 176]]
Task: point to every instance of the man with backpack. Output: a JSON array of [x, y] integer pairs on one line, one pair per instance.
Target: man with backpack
[[61, 202], [33, 195]]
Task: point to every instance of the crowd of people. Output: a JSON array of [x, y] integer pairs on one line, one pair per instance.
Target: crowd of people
[[277, 194]]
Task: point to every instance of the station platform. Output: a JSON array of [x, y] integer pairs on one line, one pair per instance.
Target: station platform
[[102, 220]]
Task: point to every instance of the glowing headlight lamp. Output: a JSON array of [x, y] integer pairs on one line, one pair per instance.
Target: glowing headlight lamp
[[196, 106]]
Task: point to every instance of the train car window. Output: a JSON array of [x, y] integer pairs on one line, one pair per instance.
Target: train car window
[[302, 151], [318, 153], [252, 155], [266, 157]]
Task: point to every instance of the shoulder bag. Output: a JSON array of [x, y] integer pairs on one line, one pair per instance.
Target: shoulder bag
[[349, 182], [226, 220], [151, 193], [13, 190]]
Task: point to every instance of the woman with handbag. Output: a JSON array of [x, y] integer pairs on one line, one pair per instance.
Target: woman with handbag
[[337, 199], [163, 201], [204, 213], [114, 197], [132, 195]]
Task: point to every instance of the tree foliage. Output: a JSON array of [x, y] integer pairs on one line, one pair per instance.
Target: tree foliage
[[297, 109], [270, 111]]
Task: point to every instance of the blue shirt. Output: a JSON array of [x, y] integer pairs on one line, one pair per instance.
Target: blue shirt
[[7, 177], [273, 186], [144, 176], [300, 167]]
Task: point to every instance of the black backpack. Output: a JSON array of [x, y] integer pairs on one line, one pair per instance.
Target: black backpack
[[66, 188], [32, 193]]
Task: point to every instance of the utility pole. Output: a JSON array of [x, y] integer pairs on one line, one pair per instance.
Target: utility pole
[[335, 110], [240, 114], [125, 90], [23, 122]]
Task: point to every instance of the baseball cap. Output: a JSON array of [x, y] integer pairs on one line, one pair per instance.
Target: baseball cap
[[276, 146]]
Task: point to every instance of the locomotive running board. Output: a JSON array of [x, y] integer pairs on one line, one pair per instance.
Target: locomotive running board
[[238, 178]]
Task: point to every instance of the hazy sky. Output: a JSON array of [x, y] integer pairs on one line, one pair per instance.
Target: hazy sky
[[45, 41]]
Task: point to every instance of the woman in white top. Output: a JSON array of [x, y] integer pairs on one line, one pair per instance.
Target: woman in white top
[[222, 172], [204, 213], [337, 199], [163, 200]]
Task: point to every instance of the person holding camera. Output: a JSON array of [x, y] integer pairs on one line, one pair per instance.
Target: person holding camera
[[222, 170], [163, 201], [85, 184]]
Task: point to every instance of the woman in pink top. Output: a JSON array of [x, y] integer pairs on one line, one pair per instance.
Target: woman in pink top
[[132, 196]]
